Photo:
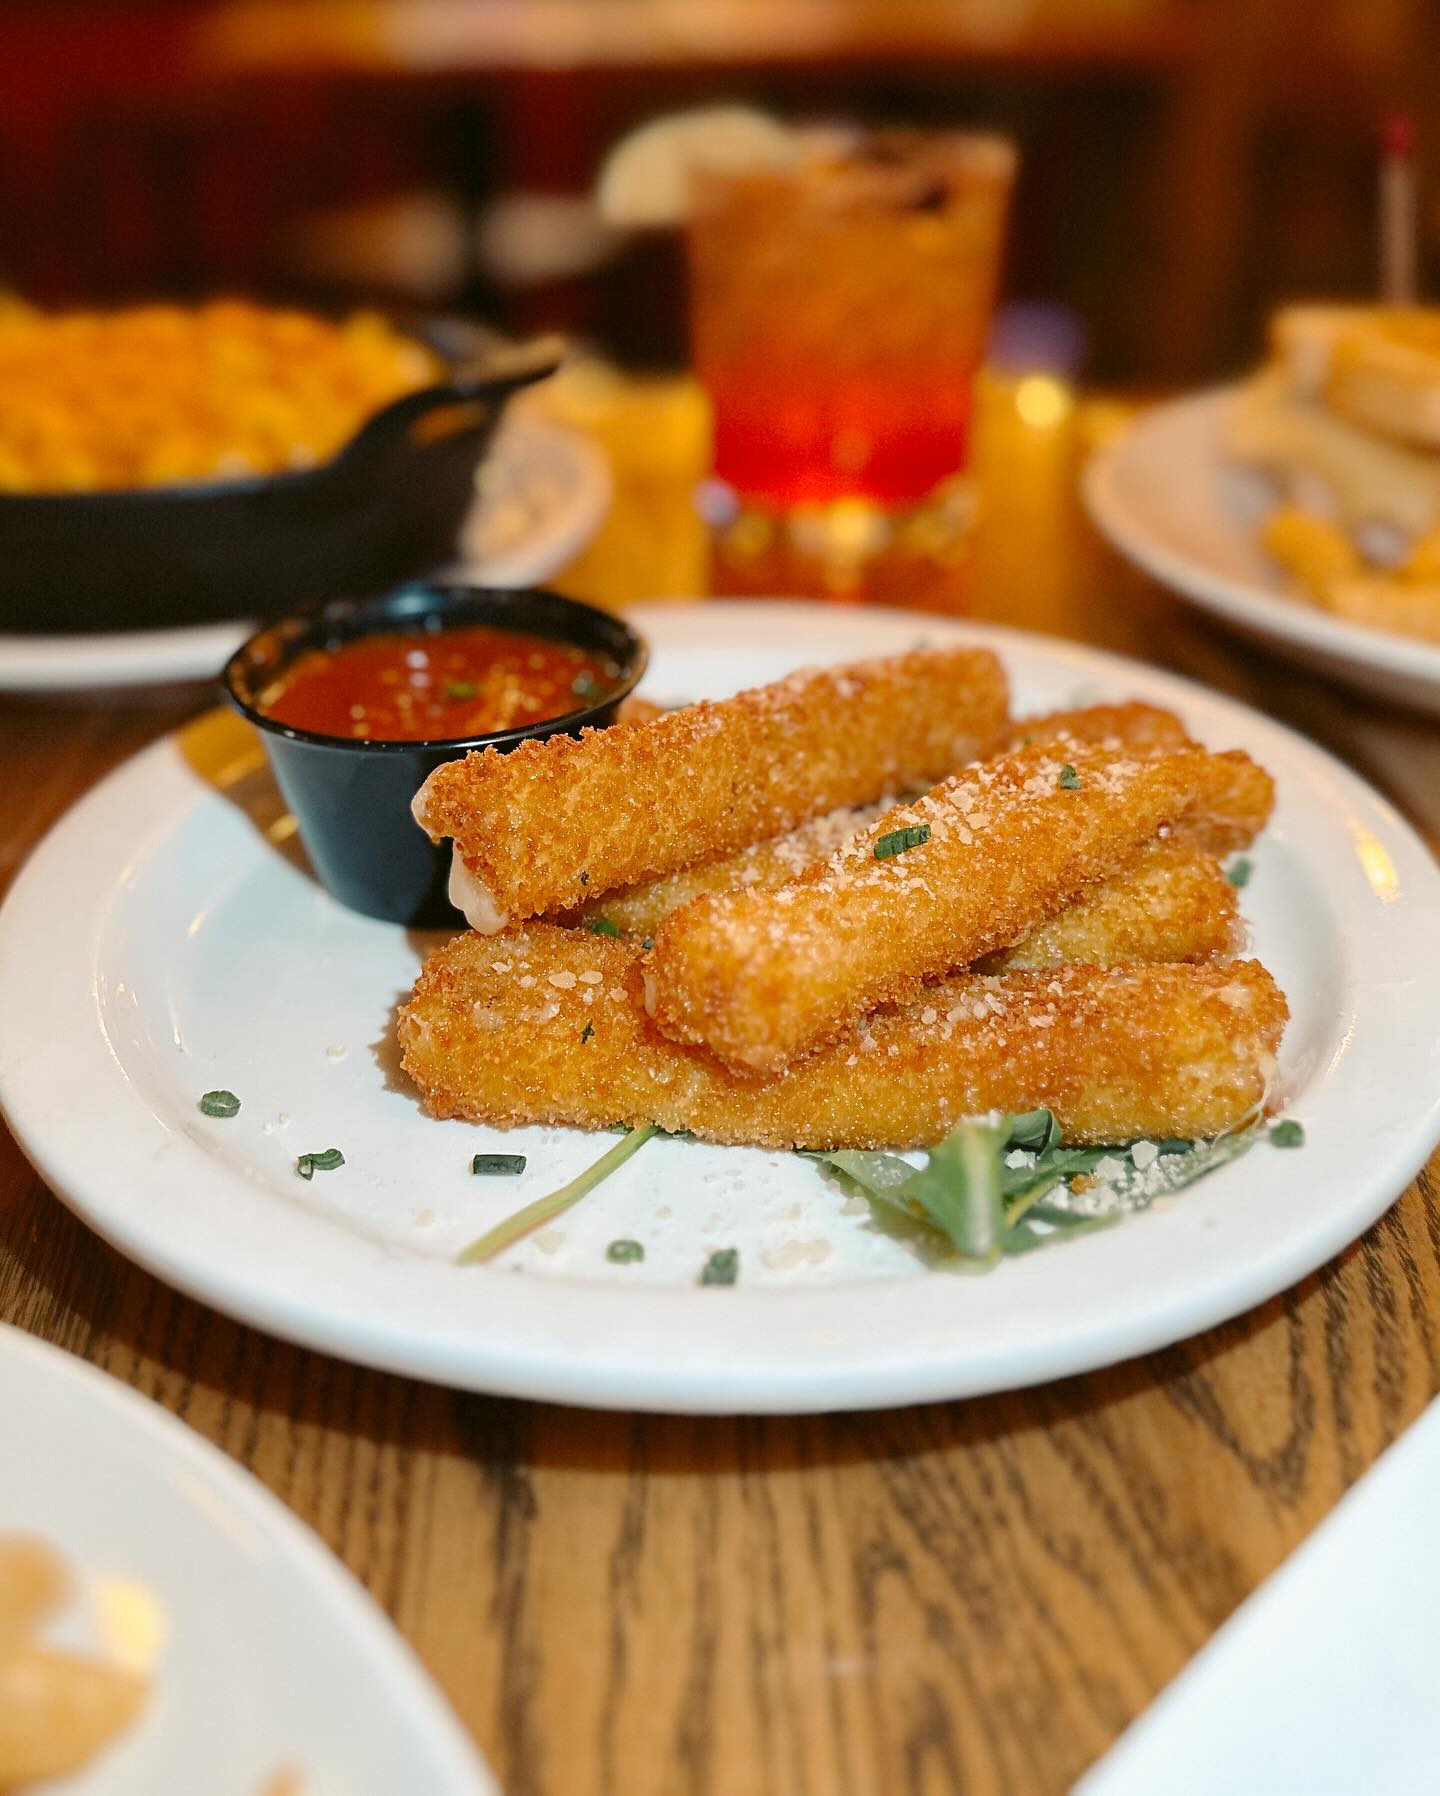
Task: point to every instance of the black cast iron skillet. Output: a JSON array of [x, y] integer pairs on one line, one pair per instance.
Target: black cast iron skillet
[[388, 507]]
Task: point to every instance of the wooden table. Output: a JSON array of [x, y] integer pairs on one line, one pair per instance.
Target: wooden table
[[969, 1597]]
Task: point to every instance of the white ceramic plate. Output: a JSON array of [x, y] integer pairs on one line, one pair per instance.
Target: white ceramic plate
[[1167, 498], [159, 945], [543, 494], [270, 1655]]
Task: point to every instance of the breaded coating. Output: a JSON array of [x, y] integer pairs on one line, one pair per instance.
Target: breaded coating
[[640, 909], [1142, 725], [972, 867], [1239, 798], [548, 1025], [1238, 808], [1173, 904], [554, 822]]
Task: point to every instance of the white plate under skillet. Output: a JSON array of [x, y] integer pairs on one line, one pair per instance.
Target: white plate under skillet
[[1169, 499], [543, 492], [164, 941], [263, 1655]]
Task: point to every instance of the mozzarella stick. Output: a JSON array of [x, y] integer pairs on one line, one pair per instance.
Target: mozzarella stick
[[640, 909], [554, 822], [972, 867], [548, 1025], [1239, 805], [1173, 904]]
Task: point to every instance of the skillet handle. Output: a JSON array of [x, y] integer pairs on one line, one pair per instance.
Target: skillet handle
[[478, 389]]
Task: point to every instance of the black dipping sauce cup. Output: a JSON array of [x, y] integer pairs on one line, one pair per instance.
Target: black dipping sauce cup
[[351, 797]]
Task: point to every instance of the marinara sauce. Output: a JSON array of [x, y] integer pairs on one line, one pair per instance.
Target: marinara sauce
[[419, 686]]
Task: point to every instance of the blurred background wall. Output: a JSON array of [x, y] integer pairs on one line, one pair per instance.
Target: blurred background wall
[[1186, 163]]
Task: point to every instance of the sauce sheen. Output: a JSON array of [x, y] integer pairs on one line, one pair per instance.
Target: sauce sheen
[[435, 685]]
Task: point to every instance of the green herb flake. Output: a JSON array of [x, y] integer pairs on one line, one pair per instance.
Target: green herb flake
[[461, 689], [1069, 779], [220, 1103], [1288, 1133], [1239, 871], [722, 1267], [490, 1166], [647, 944], [603, 926], [515, 1227], [1174, 1144], [624, 1253], [587, 1032], [309, 1164], [896, 841]]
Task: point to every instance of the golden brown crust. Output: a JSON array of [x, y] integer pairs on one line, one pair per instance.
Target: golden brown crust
[[1173, 904], [760, 977], [1141, 725], [554, 822], [547, 1025], [641, 909]]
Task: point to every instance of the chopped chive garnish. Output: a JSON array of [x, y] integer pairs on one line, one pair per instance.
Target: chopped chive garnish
[[219, 1103], [1069, 779], [1238, 872], [490, 1166], [722, 1267], [309, 1164], [603, 926], [1287, 1134], [624, 1253], [460, 689], [514, 1227], [587, 1032], [898, 840]]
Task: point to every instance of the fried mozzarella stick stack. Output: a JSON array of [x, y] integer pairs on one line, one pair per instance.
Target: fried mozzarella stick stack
[[972, 867], [553, 822], [548, 1025]]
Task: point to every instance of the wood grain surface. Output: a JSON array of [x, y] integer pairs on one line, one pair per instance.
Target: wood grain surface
[[973, 1597]]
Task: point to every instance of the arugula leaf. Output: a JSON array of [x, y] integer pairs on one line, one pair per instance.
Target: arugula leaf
[[960, 1189], [1036, 1129], [967, 1206]]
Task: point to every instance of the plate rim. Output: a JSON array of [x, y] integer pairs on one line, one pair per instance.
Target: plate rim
[[335, 1585], [549, 1370], [116, 660], [1242, 602]]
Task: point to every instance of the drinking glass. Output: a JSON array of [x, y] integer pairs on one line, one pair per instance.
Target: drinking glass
[[839, 312]]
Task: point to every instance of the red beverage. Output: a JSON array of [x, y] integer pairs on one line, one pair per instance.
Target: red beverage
[[839, 313]]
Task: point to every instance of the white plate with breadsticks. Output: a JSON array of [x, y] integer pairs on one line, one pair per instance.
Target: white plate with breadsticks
[[1302, 505], [316, 1121], [168, 1625]]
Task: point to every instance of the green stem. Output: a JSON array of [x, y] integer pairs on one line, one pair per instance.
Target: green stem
[[520, 1224]]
